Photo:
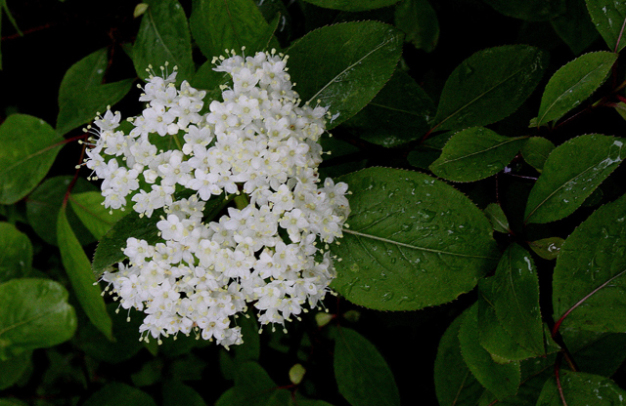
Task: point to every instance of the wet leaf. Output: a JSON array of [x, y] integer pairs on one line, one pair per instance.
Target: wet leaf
[[535, 152], [79, 272], [581, 389], [16, 255], [418, 20], [573, 84], [413, 242], [344, 65], [489, 86], [163, 37], [363, 376], [94, 216], [608, 17], [475, 154], [34, 314], [571, 173], [595, 352], [29, 147], [497, 218], [500, 379], [397, 115], [547, 248], [594, 257], [82, 93], [455, 384]]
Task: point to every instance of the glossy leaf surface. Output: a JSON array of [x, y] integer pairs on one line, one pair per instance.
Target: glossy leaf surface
[[34, 314], [571, 173], [475, 154], [94, 216], [608, 17], [489, 86], [29, 147], [497, 218], [573, 84], [344, 65], [575, 27], [413, 242], [581, 389]]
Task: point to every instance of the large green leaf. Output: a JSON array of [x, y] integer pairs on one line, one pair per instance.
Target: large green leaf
[[116, 394], [163, 37], [34, 314], [455, 384], [500, 379], [515, 295], [16, 254], [362, 374], [218, 25], [398, 114], [43, 205], [79, 272], [608, 17], [574, 83], [530, 10], [344, 65], [351, 5], [253, 387], [82, 93], [581, 389], [489, 86], [90, 210], [475, 154], [595, 352], [571, 173], [575, 27], [593, 259], [29, 147], [413, 242], [418, 20]]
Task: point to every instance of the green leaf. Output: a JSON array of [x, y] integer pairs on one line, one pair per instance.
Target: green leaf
[[455, 385], [29, 147], [82, 93], [571, 173], [398, 114], [79, 272], [529, 10], [164, 37], [428, 151], [116, 394], [12, 402], [98, 219], [351, 5], [500, 344], [250, 350], [547, 248], [418, 20], [575, 27], [497, 218], [608, 17], [489, 86], [208, 79], [362, 374], [413, 242], [253, 387], [595, 352], [573, 84], [581, 389], [475, 154], [13, 368], [16, 255], [515, 295], [43, 205], [34, 314], [500, 379], [126, 334], [344, 65], [218, 25], [591, 266], [535, 152], [177, 393]]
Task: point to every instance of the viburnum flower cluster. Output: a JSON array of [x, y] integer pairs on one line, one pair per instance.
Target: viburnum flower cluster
[[257, 143]]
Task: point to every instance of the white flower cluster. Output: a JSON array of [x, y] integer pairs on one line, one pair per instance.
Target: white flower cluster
[[257, 141]]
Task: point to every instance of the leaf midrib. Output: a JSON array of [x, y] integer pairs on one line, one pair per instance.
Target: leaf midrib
[[39, 316], [508, 141]]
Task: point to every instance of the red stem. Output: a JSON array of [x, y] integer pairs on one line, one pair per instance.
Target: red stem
[[557, 376]]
